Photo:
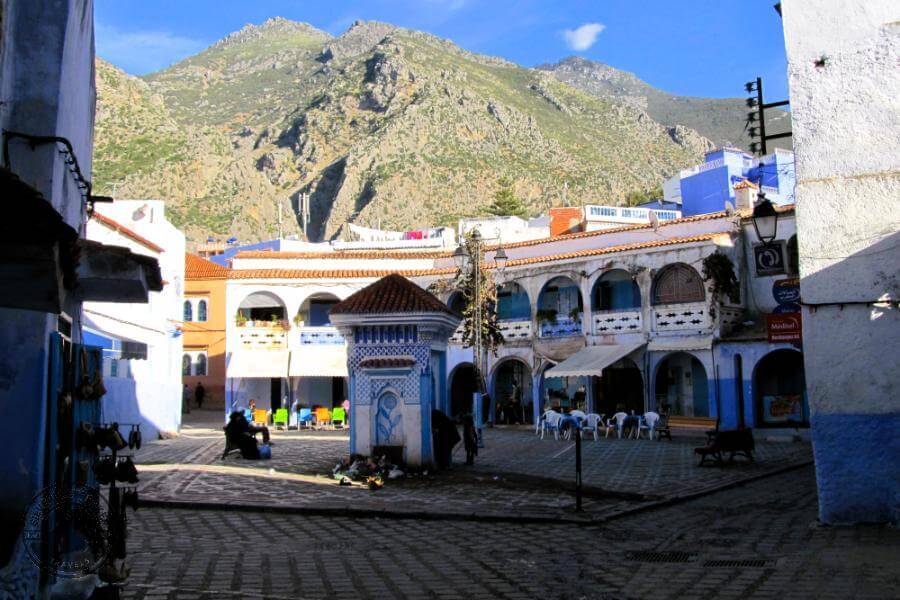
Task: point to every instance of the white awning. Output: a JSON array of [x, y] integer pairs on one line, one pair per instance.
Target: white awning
[[257, 363], [591, 360], [319, 360], [674, 344]]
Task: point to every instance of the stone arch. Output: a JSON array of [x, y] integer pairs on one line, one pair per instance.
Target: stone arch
[[511, 390], [263, 306], [681, 381], [676, 284], [779, 390], [559, 305], [513, 303], [462, 384], [315, 308]]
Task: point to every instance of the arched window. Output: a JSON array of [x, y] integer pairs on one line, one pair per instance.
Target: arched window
[[186, 365], [513, 303], [188, 311], [201, 310], [457, 302], [201, 365], [676, 284]]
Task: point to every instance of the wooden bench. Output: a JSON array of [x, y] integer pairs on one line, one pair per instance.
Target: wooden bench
[[732, 442]]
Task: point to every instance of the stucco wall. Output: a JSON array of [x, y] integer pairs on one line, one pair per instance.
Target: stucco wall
[[845, 111]]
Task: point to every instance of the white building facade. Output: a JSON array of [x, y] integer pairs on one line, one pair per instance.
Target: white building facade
[[845, 113]]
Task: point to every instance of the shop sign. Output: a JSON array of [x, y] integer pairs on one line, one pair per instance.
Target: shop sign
[[786, 309], [769, 259], [784, 328], [783, 409], [786, 291]]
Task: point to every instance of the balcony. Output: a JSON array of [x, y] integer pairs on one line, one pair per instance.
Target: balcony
[[515, 330], [681, 318], [562, 327], [310, 336], [262, 338], [613, 322]]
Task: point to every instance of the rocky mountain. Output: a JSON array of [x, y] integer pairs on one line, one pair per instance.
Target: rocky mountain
[[380, 126], [719, 119]]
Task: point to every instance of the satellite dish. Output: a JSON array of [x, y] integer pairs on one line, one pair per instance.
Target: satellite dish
[[729, 208], [654, 220]]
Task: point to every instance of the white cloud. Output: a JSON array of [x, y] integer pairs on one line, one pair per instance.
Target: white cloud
[[141, 52], [584, 37]]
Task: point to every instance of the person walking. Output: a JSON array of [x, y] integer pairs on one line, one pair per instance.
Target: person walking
[[470, 439], [199, 394], [444, 438], [186, 399]]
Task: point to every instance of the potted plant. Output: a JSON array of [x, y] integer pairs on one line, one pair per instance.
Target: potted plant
[[575, 314], [546, 316], [298, 320], [241, 319]]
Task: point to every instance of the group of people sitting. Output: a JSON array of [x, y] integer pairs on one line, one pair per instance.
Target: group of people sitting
[[241, 434]]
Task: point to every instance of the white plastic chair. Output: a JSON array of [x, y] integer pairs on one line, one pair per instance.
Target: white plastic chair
[[648, 424], [578, 414], [550, 422], [593, 422], [619, 418]]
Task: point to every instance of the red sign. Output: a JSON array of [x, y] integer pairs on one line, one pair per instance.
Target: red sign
[[785, 328]]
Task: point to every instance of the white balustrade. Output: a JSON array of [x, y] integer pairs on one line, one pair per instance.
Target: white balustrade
[[515, 330], [681, 317], [262, 338], [320, 335], [612, 322]]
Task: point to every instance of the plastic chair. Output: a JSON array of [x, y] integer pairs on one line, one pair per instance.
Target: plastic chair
[[248, 414], [338, 417], [648, 424], [261, 416], [305, 416], [550, 422], [281, 417], [619, 418], [323, 417], [578, 414], [593, 422]]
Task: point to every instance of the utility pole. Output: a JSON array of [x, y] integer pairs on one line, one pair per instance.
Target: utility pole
[[758, 114]]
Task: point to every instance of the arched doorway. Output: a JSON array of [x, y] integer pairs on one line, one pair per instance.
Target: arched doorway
[[621, 387], [513, 303], [462, 386], [315, 310], [558, 393], [457, 302], [780, 390], [616, 291], [559, 308], [512, 392], [682, 384]]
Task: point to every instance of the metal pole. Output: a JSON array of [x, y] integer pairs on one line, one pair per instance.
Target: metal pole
[[576, 431], [762, 117], [479, 369]]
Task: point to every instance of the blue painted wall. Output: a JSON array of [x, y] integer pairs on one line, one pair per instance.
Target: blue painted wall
[[224, 259]]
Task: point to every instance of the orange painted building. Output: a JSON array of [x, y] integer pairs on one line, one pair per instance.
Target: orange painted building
[[204, 329]]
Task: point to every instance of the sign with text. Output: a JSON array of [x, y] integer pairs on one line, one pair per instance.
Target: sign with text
[[786, 291], [784, 328], [769, 259]]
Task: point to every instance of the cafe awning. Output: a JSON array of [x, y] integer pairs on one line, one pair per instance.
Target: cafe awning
[[319, 360], [591, 360], [257, 364]]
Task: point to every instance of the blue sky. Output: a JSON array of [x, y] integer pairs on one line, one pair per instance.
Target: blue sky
[[694, 47]]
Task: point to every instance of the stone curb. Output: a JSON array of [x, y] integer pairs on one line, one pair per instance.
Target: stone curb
[[570, 518]]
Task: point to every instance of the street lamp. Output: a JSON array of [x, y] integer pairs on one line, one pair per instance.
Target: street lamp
[[765, 220], [500, 259], [461, 257]]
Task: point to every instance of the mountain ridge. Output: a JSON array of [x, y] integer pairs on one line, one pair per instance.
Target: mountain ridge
[[379, 126]]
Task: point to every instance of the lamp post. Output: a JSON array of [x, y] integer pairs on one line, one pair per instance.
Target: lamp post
[[471, 264], [765, 220]]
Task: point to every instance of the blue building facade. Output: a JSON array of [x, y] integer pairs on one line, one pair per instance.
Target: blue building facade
[[706, 187]]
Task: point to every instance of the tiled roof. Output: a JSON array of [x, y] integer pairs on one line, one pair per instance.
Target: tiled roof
[[344, 254], [200, 268], [129, 233], [364, 274], [390, 295]]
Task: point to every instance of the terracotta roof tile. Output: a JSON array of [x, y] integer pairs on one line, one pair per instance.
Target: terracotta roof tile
[[391, 294], [367, 274], [344, 254], [200, 268], [129, 233]]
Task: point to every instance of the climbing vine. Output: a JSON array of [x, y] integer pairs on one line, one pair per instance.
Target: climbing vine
[[719, 268]]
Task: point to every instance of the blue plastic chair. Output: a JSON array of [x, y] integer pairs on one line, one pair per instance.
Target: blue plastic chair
[[248, 414], [305, 416]]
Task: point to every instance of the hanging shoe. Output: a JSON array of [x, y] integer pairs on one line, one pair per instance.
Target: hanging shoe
[[126, 471], [104, 470]]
